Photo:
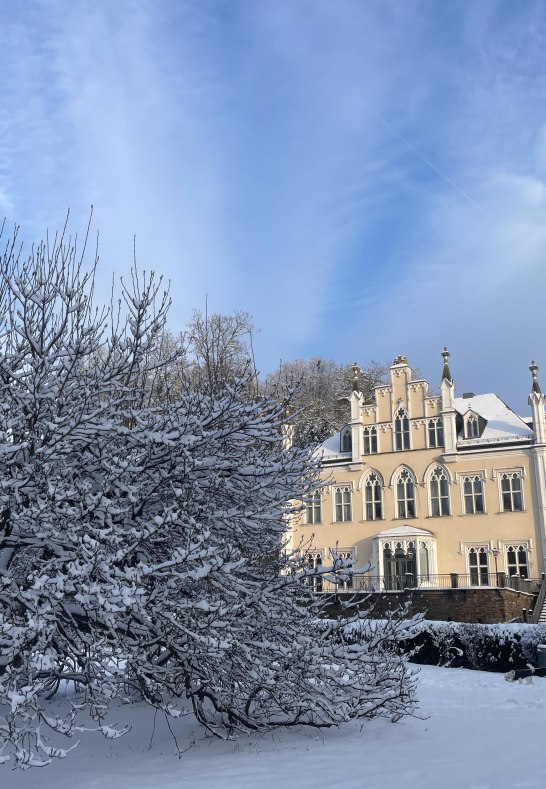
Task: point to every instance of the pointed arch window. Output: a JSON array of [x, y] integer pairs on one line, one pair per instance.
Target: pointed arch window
[[472, 429], [346, 440], [370, 440], [439, 493], [373, 500], [424, 561], [405, 495], [401, 430]]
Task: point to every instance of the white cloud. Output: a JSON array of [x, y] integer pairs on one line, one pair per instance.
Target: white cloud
[[329, 168]]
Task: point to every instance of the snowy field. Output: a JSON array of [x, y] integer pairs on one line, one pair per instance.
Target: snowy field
[[481, 733]]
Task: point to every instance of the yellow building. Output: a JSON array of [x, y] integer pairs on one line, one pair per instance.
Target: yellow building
[[431, 490]]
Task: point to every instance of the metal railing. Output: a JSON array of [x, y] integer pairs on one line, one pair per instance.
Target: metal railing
[[400, 583], [539, 604]]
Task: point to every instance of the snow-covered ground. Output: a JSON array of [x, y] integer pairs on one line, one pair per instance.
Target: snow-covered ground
[[480, 732]]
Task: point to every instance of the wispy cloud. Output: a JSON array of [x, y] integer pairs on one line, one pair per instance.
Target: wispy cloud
[[365, 178]]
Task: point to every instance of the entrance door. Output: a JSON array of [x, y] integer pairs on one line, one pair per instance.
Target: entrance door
[[400, 566]]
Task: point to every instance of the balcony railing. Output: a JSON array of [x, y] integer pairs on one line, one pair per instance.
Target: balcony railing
[[395, 583]]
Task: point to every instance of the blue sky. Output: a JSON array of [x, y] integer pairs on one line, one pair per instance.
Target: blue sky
[[365, 178]]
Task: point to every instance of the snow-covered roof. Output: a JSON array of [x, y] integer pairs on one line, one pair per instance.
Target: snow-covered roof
[[502, 422], [330, 449], [404, 531], [502, 425]]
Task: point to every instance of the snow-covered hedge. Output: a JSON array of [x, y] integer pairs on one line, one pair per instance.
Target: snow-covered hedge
[[499, 647]]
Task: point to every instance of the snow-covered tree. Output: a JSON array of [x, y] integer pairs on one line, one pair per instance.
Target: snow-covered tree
[[320, 403], [220, 350], [142, 545]]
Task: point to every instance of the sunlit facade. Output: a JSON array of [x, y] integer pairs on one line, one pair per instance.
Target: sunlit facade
[[431, 489]]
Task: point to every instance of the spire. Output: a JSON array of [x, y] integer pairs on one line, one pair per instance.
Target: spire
[[537, 401], [356, 378], [449, 414], [534, 372], [446, 372]]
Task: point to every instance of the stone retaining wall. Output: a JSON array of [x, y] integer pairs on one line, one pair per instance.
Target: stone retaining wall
[[485, 606]]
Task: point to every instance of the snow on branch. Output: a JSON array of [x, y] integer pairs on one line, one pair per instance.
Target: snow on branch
[[141, 541]]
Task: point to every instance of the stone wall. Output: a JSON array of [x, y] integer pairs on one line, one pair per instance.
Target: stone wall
[[485, 606]]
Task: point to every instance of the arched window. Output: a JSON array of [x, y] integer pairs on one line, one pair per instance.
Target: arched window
[[473, 494], [314, 508], [373, 503], [401, 430], [346, 440], [435, 433], [472, 427], [370, 440], [516, 561], [424, 561], [405, 495], [439, 493], [343, 507], [478, 566]]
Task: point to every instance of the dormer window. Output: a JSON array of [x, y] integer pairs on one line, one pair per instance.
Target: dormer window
[[472, 429], [346, 440], [401, 430]]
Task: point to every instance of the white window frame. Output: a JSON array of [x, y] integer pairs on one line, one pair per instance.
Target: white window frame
[[400, 415], [346, 487], [429, 481], [527, 547], [499, 474], [396, 478], [471, 417], [346, 434], [380, 543], [314, 558], [311, 504], [478, 549], [364, 489], [461, 477], [346, 553], [370, 437], [438, 425]]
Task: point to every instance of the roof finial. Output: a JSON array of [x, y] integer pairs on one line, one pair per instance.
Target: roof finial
[[446, 373], [356, 377], [534, 372]]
